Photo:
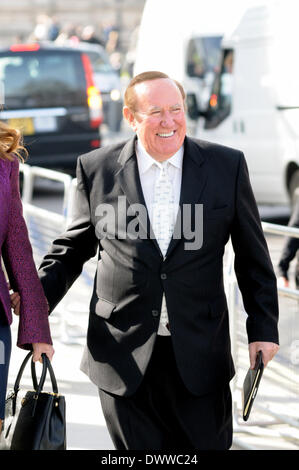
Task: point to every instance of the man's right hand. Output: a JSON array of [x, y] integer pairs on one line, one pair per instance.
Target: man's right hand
[[15, 301]]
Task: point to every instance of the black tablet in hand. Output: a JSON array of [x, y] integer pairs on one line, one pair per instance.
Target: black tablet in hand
[[251, 384]]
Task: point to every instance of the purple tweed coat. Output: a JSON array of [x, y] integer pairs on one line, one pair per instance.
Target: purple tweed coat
[[16, 253]]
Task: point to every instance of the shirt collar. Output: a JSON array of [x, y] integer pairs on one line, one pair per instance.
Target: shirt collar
[[145, 161]]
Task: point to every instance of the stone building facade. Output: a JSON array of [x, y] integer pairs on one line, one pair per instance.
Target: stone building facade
[[18, 18]]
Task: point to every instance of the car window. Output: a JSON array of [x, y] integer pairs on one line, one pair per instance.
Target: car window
[[42, 79], [100, 62]]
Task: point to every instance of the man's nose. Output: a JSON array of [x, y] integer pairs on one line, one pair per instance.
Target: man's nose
[[167, 119]]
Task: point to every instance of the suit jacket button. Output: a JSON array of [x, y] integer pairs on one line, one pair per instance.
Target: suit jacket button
[[163, 276], [155, 313]]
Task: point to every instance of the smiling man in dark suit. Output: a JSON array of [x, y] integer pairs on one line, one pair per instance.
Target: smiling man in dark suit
[[158, 344]]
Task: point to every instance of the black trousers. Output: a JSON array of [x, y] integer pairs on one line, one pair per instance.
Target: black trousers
[[163, 415]]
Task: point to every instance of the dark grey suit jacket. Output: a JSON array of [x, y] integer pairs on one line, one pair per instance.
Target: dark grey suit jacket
[[132, 274]]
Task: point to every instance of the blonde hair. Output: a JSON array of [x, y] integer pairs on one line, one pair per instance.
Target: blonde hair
[[11, 143], [130, 96]]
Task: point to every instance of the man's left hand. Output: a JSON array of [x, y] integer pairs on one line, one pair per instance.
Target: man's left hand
[[15, 300], [268, 349]]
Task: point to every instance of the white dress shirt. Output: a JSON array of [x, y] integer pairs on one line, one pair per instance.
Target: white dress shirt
[[149, 170]]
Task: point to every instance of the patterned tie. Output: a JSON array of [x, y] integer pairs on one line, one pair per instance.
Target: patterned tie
[[163, 209], [163, 225]]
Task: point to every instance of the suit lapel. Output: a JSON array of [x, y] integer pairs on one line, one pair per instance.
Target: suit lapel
[[194, 179], [129, 180]]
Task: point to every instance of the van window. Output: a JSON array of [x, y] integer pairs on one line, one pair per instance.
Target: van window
[[203, 55], [221, 96], [44, 79]]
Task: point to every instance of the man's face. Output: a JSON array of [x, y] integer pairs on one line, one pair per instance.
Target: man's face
[[159, 119]]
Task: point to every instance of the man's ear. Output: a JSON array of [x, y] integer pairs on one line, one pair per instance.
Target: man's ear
[[129, 116]]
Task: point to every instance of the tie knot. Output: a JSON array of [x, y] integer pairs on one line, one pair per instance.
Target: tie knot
[[164, 169], [162, 165]]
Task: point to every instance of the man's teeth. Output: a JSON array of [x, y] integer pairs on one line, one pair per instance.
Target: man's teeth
[[166, 135]]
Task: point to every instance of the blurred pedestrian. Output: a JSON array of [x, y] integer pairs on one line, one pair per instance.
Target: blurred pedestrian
[[289, 252], [53, 29], [112, 44], [16, 251], [89, 35], [40, 31], [69, 32]]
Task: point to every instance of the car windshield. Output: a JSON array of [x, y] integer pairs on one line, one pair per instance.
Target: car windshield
[[41, 79]]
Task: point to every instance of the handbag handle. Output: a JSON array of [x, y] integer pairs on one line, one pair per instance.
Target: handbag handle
[[18, 380], [46, 366], [37, 386], [20, 373]]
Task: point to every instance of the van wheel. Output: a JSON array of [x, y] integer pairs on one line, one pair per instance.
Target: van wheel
[[294, 184]]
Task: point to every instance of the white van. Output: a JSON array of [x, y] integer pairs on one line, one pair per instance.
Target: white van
[[183, 39], [254, 104]]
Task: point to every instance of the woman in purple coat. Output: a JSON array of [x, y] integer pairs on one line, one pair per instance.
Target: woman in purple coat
[[16, 253]]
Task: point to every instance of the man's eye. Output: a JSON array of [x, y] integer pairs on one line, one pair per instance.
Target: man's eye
[[155, 113]]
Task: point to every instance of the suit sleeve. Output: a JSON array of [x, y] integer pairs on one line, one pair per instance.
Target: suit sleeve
[[253, 266], [291, 246], [64, 262], [22, 273]]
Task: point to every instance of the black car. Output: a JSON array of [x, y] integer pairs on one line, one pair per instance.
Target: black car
[[108, 81], [50, 95]]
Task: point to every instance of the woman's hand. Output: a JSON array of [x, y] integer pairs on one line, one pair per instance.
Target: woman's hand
[[39, 348]]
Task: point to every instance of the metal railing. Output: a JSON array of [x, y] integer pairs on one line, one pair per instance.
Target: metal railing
[[30, 173], [44, 226]]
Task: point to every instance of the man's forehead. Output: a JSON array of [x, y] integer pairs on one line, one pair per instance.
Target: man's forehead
[[149, 85], [156, 94]]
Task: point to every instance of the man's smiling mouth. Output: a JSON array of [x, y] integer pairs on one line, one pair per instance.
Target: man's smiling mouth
[[165, 135]]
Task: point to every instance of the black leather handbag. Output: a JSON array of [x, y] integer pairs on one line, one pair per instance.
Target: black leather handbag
[[40, 423]]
